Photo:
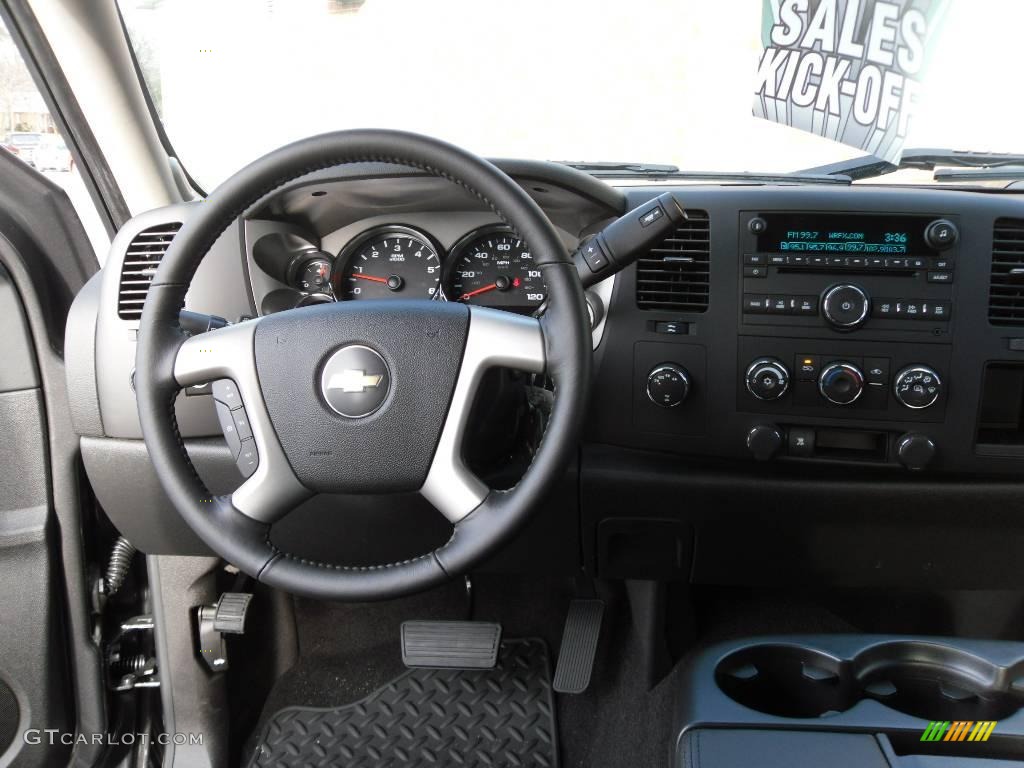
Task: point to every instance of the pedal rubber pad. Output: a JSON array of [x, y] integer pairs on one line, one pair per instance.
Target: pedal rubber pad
[[579, 646], [231, 611], [450, 644]]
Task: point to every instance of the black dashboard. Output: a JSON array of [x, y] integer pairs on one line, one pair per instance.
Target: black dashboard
[[786, 349]]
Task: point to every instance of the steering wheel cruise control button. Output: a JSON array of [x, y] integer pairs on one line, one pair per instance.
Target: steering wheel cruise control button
[[845, 306], [767, 379], [841, 383]]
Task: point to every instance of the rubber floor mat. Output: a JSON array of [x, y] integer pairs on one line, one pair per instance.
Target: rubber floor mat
[[429, 717]]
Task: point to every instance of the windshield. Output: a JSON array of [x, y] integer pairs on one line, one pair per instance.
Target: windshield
[[658, 81]]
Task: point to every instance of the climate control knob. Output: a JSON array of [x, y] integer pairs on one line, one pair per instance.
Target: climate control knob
[[668, 385], [841, 383], [845, 306], [917, 386], [767, 378]]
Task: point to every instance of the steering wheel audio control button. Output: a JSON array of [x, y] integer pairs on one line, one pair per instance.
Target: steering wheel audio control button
[[225, 391], [248, 458], [241, 421], [227, 426]]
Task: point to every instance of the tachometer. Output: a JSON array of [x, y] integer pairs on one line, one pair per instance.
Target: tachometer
[[495, 269], [390, 262]]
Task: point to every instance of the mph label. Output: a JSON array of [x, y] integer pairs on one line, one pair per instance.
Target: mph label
[[848, 70]]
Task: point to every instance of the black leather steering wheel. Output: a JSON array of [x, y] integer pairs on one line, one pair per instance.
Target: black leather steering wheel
[[365, 396]]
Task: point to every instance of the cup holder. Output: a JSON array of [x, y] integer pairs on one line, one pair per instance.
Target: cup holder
[[787, 681], [922, 679]]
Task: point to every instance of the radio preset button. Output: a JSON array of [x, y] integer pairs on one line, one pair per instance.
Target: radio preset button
[[845, 306]]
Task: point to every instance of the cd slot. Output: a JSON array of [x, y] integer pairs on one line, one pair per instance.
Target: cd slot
[[826, 270]]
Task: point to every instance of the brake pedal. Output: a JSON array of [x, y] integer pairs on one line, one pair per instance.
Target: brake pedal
[[450, 644], [579, 646]]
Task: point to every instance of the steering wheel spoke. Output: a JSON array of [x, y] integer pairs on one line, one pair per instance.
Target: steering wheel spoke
[[272, 490], [495, 340]]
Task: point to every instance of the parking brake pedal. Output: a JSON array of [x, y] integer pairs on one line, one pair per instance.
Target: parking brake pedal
[[227, 616], [579, 646], [450, 644]]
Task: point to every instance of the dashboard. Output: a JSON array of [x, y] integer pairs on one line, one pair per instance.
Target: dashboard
[[785, 351]]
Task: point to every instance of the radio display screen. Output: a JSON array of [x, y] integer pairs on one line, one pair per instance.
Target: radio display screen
[[843, 233]]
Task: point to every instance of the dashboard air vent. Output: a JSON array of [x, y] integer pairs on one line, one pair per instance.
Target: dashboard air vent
[[140, 263], [673, 275], [1006, 291]]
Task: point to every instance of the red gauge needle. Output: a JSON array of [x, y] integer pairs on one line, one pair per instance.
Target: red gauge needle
[[485, 289], [370, 277]]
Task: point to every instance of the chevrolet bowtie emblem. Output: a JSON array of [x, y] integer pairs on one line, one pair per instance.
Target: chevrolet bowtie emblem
[[353, 380]]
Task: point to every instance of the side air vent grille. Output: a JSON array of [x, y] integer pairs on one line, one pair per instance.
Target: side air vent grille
[[673, 275], [1006, 291], [140, 263]]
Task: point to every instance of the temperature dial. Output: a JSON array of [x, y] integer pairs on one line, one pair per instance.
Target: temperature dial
[[917, 386], [841, 383], [668, 385]]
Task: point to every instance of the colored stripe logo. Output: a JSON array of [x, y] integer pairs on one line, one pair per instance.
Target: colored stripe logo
[[959, 730]]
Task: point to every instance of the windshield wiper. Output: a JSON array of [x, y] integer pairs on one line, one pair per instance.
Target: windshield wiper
[[925, 159], [994, 173], [658, 172]]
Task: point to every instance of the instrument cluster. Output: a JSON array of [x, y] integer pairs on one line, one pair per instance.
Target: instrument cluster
[[489, 266]]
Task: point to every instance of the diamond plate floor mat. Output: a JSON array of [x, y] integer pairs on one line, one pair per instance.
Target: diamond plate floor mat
[[429, 717]]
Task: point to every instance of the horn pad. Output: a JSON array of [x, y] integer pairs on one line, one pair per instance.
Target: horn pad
[[358, 391]]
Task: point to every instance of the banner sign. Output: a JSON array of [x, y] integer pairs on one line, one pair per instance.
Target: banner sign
[[848, 70]]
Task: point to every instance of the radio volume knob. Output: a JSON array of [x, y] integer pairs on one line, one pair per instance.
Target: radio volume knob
[[841, 383], [845, 306], [917, 386], [767, 378]]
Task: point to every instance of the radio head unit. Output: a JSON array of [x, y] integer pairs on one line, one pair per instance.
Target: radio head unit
[[844, 271]]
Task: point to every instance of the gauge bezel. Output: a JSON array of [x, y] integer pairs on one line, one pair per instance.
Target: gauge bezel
[[299, 262], [455, 253], [352, 247]]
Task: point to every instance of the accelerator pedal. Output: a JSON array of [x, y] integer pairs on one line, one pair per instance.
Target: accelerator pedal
[[450, 644], [579, 646]]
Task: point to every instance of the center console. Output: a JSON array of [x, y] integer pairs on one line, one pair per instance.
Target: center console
[[845, 316], [852, 700], [851, 325]]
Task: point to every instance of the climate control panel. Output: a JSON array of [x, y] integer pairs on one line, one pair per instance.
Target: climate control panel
[[847, 379]]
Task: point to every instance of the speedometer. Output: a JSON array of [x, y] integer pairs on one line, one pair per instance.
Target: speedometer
[[494, 268], [390, 262]]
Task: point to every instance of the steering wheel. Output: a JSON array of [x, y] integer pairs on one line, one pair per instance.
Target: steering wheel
[[364, 396]]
